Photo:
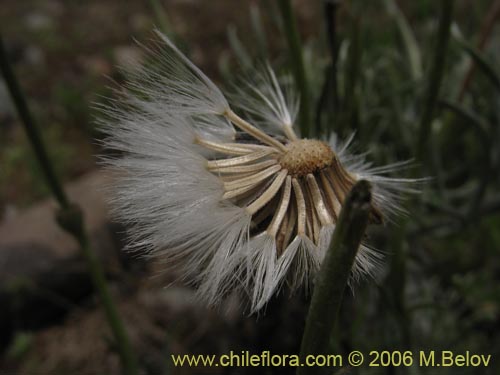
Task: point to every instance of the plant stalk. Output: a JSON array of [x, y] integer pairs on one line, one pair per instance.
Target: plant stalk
[[297, 65], [31, 129], [349, 109], [488, 24], [69, 217], [435, 78], [333, 276], [161, 16], [328, 99]]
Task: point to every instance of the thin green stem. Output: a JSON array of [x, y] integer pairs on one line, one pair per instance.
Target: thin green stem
[[31, 128], [330, 8], [435, 77], [332, 278], [409, 40], [71, 220], [297, 64], [161, 16], [488, 25], [328, 99], [70, 217], [397, 283], [350, 105]]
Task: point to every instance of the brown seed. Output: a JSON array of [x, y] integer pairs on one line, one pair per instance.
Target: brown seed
[[306, 156]]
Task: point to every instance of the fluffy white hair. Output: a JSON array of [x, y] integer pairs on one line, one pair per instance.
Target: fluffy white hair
[[174, 206]]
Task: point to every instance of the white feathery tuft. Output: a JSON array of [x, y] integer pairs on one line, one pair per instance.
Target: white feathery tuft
[[272, 104], [174, 205], [305, 264], [177, 84], [165, 194]]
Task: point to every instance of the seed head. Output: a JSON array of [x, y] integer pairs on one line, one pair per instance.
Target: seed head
[[229, 203], [306, 156]]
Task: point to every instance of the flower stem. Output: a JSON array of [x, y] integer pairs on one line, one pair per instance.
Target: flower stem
[[161, 16], [31, 129], [435, 77], [334, 274], [349, 109], [69, 217], [328, 99], [330, 9], [297, 63], [71, 220]]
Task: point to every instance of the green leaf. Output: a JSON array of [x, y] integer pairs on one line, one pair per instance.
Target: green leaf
[[482, 63], [410, 42]]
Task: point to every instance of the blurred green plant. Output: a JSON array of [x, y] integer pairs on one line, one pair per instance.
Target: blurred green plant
[[21, 344], [16, 155], [296, 59], [69, 216]]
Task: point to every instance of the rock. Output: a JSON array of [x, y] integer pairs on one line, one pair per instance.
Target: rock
[[42, 274], [37, 225]]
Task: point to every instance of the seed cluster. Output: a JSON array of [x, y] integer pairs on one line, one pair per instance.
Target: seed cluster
[[306, 156], [290, 188], [227, 204]]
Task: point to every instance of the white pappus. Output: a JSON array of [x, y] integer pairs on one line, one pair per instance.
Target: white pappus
[[231, 204]]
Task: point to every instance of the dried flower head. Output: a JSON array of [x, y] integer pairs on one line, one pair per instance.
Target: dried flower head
[[229, 203]]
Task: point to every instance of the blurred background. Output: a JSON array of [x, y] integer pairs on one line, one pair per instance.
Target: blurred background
[[381, 69]]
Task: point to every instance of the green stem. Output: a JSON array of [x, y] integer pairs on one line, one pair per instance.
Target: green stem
[[409, 40], [350, 107], [161, 16], [331, 9], [71, 220], [397, 283], [488, 25], [332, 278], [328, 99], [297, 64], [31, 129], [435, 77], [70, 217]]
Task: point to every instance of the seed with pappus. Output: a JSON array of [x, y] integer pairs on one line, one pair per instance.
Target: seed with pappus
[[228, 194]]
